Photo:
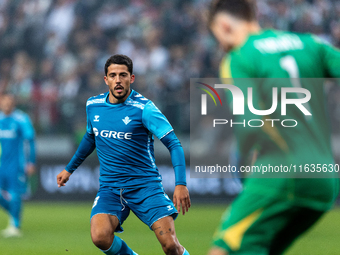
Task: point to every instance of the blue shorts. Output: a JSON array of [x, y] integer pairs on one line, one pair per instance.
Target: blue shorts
[[13, 182], [149, 204]]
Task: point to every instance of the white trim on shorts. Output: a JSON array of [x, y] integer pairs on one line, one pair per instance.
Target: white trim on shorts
[[162, 218]]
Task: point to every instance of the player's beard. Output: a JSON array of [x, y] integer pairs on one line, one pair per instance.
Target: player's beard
[[120, 96]]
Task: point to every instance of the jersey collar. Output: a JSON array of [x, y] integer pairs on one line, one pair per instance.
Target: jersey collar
[[107, 102]]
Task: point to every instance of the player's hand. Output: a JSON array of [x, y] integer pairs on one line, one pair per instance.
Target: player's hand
[[30, 169], [62, 178], [181, 198]]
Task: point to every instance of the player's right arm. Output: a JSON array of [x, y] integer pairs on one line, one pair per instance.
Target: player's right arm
[[29, 138], [85, 148]]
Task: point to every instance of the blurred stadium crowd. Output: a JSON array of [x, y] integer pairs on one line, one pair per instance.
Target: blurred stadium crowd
[[52, 53]]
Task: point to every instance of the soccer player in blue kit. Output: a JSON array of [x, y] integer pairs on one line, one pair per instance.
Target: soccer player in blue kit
[[120, 125], [15, 163]]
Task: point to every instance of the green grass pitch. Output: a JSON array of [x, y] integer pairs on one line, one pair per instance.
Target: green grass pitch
[[63, 228]]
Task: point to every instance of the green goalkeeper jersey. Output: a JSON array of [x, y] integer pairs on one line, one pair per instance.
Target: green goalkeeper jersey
[[283, 59]]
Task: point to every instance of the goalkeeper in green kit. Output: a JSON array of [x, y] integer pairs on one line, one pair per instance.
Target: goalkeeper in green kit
[[271, 213]]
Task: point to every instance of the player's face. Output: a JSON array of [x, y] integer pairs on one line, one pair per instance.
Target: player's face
[[222, 28], [118, 79], [7, 104]]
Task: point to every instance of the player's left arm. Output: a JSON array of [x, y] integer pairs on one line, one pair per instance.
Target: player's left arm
[[85, 148], [29, 137], [158, 124], [181, 194]]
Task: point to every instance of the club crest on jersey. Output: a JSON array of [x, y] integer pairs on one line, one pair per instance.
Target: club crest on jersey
[[96, 118], [126, 120], [95, 131]]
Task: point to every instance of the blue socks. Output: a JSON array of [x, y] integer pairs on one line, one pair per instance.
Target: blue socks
[[12, 204], [15, 209], [4, 202], [119, 247]]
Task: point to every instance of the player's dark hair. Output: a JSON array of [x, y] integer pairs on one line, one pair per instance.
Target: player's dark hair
[[242, 9], [119, 59]]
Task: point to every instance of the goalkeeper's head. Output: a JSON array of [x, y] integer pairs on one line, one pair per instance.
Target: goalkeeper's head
[[231, 21]]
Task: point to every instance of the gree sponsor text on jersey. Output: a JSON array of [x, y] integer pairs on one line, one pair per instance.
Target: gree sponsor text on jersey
[[112, 134]]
